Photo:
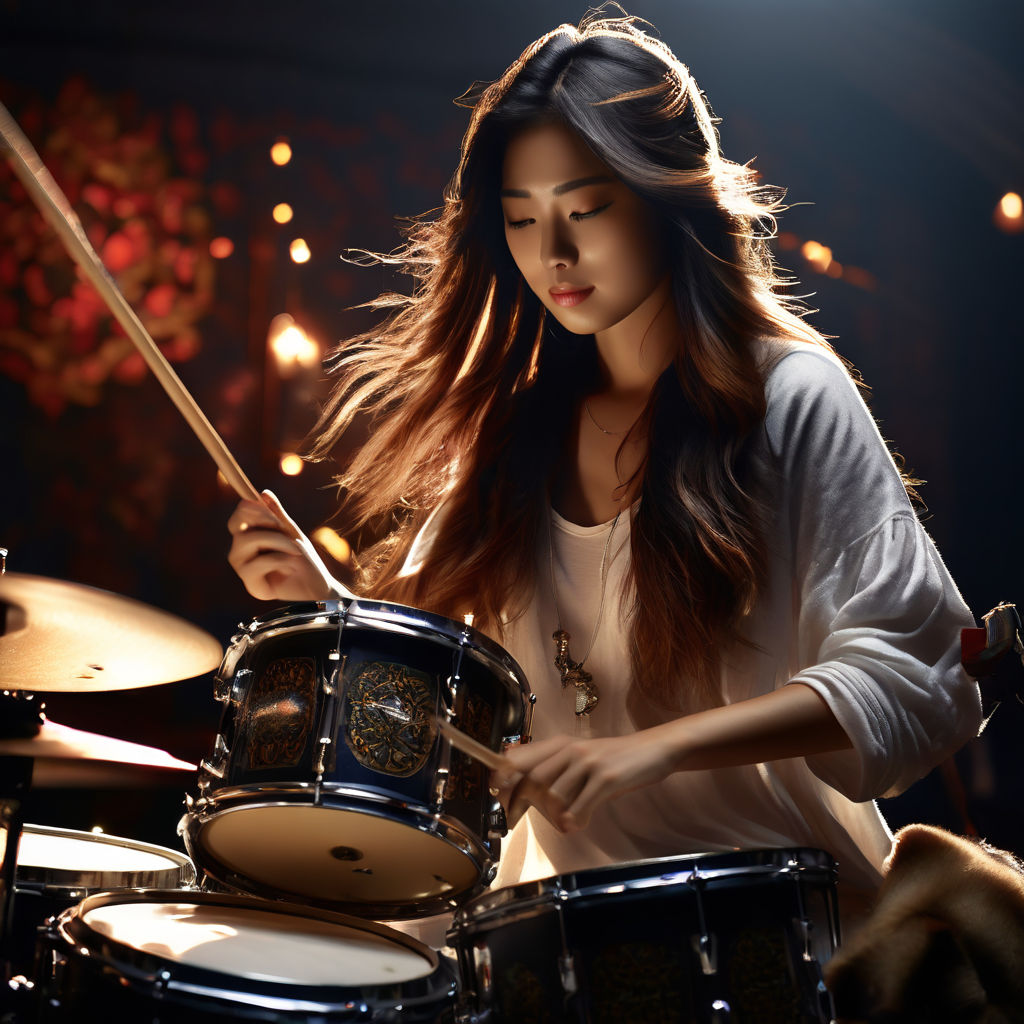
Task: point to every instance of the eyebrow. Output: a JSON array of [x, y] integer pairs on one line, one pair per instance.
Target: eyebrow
[[559, 190]]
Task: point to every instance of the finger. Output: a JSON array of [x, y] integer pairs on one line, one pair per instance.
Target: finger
[[536, 789], [271, 501], [533, 793], [251, 543], [256, 571], [250, 514]]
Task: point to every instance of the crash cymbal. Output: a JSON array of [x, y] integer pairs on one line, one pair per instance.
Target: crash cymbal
[[59, 636], [70, 757]]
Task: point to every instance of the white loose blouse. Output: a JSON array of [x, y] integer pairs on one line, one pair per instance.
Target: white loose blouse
[[857, 605]]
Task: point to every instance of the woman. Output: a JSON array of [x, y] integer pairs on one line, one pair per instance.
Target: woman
[[599, 419]]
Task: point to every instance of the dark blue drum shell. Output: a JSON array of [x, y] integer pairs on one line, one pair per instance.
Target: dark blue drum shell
[[735, 937], [369, 678]]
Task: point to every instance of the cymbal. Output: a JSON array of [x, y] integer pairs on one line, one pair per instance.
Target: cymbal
[[69, 757], [67, 637]]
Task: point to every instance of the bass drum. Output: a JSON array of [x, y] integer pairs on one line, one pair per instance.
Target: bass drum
[[735, 938], [195, 958], [329, 783], [57, 867]]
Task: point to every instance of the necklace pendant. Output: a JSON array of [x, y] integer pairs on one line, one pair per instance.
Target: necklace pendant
[[574, 674]]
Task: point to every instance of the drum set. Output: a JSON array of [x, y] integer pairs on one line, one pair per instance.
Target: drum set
[[335, 799]]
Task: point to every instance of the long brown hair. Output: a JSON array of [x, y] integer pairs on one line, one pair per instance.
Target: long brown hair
[[470, 387]]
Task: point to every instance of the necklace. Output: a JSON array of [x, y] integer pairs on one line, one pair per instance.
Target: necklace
[[573, 672], [610, 433]]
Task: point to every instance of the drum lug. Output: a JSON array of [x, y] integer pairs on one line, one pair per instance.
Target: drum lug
[[567, 973], [707, 952], [218, 762], [497, 825], [704, 944], [229, 691], [440, 784]]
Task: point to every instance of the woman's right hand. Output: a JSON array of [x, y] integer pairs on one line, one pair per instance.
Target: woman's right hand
[[272, 565]]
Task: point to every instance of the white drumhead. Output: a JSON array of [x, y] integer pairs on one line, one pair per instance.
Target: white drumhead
[[85, 851], [259, 944], [328, 855]]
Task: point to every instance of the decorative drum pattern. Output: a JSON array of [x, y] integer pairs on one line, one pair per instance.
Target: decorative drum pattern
[[329, 783]]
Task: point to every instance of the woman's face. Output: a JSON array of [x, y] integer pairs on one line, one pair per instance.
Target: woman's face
[[587, 245]]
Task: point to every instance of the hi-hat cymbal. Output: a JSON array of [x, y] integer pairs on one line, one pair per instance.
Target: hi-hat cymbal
[[70, 757], [59, 636]]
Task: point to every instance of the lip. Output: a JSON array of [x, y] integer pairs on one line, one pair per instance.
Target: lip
[[569, 296]]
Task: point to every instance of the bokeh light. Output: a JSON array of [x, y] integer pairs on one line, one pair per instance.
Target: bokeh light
[[333, 543], [299, 250], [819, 256], [1011, 206], [221, 248], [291, 464], [291, 346], [283, 213], [280, 152], [1009, 213]]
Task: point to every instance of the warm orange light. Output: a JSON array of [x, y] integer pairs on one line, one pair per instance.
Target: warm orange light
[[333, 543], [291, 464], [291, 346], [1008, 215], [280, 152], [221, 248], [1011, 206], [283, 213], [468, 618], [299, 250], [860, 278], [819, 256]]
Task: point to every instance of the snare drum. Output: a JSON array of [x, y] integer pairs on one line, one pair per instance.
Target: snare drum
[[736, 937], [57, 867], [194, 957], [329, 784]]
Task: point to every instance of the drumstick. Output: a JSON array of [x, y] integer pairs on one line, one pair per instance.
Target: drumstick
[[468, 745], [57, 211]]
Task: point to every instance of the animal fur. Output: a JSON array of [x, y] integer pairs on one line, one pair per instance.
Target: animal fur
[[945, 942]]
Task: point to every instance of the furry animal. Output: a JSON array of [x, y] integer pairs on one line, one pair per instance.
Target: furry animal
[[945, 942]]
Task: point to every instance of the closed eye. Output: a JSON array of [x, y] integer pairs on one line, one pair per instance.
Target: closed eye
[[589, 213], [516, 224]]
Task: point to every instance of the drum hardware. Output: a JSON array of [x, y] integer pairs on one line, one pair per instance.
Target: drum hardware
[[704, 941], [329, 738], [230, 691], [330, 684], [707, 939], [192, 957]]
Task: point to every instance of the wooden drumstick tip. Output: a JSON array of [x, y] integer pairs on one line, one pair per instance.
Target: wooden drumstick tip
[[460, 741]]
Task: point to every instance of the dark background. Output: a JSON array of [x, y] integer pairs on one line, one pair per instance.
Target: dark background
[[895, 126]]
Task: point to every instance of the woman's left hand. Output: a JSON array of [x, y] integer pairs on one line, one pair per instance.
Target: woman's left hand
[[567, 778]]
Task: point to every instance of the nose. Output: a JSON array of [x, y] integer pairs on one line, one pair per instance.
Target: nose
[[557, 248]]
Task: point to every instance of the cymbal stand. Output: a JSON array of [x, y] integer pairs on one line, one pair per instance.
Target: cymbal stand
[[21, 715]]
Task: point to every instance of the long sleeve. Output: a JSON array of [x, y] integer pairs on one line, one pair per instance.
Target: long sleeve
[[878, 616]]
